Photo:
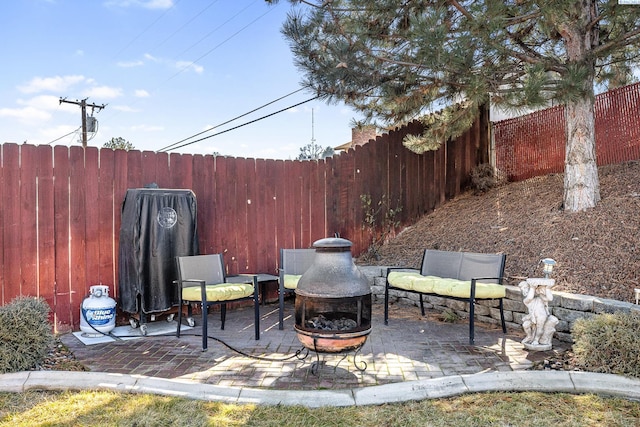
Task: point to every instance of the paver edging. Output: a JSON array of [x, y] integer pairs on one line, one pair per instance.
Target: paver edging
[[541, 381]]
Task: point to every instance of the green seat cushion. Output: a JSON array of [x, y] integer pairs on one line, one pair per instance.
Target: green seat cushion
[[291, 281], [444, 286], [220, 292], [411, 281]]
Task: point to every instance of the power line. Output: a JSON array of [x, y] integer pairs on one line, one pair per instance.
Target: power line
[[217, 28], [185, 24], [146, 29], [231, 120], [207, 53], [58, 139], [247, 123]]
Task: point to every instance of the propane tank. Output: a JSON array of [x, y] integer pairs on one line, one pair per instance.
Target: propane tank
[[98, 312]]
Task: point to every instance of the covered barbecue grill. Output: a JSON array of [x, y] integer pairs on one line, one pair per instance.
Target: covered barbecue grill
[[157, 225]]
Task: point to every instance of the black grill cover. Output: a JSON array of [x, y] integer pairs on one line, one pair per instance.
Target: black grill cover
[[157, 225]]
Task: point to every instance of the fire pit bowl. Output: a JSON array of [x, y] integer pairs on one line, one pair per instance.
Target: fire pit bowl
[[333, 301]]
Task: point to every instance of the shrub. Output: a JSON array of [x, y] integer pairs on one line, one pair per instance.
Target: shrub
[[25, 334], [449, 316], [483, 178], [608, 343]]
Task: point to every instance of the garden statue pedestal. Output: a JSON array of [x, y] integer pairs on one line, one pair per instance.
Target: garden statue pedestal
[[538, 324]]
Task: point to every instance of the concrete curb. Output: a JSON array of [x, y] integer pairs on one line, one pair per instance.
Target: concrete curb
[[542, 381]]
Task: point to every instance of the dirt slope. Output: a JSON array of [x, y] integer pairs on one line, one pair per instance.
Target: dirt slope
[[598, 251]]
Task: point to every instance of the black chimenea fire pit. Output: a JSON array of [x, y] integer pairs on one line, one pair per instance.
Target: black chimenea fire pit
[[333, 301]]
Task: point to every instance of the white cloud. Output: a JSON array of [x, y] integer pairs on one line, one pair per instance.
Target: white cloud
[[51, 84], [141, 93], [41, 102], [147, 128], [183, 65], [26, 114], [150, 57], [124, 108], [130, 64], [157, 4], [147, 4], [103, 92]]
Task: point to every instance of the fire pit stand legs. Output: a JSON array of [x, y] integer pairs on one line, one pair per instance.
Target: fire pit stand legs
[[359, 365]]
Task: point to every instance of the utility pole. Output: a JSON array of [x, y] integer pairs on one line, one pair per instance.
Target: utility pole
[[83, 107]]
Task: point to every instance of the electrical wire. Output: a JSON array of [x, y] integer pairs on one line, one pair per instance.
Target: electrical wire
[[58, 139], [184, 25], [216, 29], [247, 123], [110, 334], [231, 120], [146, 29], [207, 53], [189, 65]]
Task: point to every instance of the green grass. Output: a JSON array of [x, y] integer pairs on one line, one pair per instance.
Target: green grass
[[89, 408]]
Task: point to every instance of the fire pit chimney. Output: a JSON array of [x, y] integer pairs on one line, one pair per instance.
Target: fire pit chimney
[[333, 300]]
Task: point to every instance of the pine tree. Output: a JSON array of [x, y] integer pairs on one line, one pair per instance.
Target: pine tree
[[395, 61]]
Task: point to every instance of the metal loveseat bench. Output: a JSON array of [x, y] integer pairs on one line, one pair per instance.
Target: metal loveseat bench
[[462, 276]]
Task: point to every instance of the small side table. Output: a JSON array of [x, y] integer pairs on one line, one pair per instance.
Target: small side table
[[263, 278]]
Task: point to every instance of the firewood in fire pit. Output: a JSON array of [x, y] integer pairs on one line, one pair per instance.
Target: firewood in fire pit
[[322, 323]]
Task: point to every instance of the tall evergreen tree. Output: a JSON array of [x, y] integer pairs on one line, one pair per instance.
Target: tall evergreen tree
[[396, 60]]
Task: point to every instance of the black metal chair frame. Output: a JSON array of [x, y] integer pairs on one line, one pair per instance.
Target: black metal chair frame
[[292, 261], [220, 276], [496, 264]]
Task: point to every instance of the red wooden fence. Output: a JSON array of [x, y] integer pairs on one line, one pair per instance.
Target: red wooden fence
[[60, 216], [534, 144]]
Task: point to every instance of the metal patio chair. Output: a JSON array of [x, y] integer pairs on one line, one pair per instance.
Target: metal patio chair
[[202, 280], [293, 264]]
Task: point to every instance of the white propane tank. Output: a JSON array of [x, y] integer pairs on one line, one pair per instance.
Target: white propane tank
[[98, 312]]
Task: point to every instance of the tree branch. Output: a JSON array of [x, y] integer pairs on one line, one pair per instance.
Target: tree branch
[[461, 9], [619, 42]]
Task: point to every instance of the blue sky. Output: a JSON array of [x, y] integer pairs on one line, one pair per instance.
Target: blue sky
[[166, 70]]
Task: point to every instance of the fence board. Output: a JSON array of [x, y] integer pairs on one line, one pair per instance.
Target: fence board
[[11, 209], [64, 319], [148, 168], [46, 230], [263, 231], [317, 221], [28, 221], [223, 217], [4, 198], [252, 212], [78, 286], [134, 169], [92, 217], [202, 188], [280, 186], [107, 231]]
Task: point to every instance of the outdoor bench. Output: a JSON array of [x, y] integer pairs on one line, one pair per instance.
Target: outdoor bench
[[462, 276]]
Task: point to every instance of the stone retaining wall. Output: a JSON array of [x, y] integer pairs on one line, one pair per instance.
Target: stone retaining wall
[[565, 306]]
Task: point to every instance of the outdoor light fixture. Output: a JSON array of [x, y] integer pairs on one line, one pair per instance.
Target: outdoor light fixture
[[547, 267]]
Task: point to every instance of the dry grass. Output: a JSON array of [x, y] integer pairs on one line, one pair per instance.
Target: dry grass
[[489, 409]]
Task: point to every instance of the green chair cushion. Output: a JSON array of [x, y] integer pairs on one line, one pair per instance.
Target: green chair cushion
[[444, 286], [220, 292], [291, 280]]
